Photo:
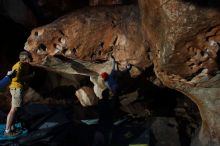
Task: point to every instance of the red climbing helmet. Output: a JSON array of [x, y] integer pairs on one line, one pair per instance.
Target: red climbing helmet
[[104, 76]]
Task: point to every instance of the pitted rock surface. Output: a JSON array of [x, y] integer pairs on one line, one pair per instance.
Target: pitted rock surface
[[92, 35], [185, 47]]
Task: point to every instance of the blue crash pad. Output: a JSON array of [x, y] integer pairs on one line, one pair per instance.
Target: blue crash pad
[[90, 121], [95, 121], [23, 132]]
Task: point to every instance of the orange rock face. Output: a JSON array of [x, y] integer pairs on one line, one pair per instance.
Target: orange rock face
[[83, 41], [185, 47], [92, 35]]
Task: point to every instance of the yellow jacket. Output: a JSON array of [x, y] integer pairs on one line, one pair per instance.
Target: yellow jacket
[[20, 80]]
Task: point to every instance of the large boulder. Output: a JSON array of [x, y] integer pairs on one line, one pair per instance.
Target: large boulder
[[83, 41], [184, 39]]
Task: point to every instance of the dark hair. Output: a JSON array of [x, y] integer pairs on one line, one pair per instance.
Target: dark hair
[[25, 54], [105, 93]]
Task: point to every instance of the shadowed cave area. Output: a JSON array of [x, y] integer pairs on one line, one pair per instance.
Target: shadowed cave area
[[168, 116]]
